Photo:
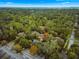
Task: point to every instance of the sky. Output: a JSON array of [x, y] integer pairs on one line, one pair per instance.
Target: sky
[[39, 3]]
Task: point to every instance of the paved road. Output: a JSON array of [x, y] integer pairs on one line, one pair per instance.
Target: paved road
[[6, 52]]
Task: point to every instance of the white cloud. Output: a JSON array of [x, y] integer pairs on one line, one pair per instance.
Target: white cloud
[[59, 0], [8, 3], [65, 2]]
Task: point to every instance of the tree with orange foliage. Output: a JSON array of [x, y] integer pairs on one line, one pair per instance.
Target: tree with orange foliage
[[33, 50]]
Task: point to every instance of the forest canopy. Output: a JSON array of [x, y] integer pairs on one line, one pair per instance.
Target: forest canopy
[[42, 31]]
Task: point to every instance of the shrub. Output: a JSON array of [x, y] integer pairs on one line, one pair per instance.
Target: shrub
[[17, 47], [72, 55], [33, 50]]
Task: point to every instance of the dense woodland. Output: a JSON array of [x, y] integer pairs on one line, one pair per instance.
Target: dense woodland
[[42, 31]]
